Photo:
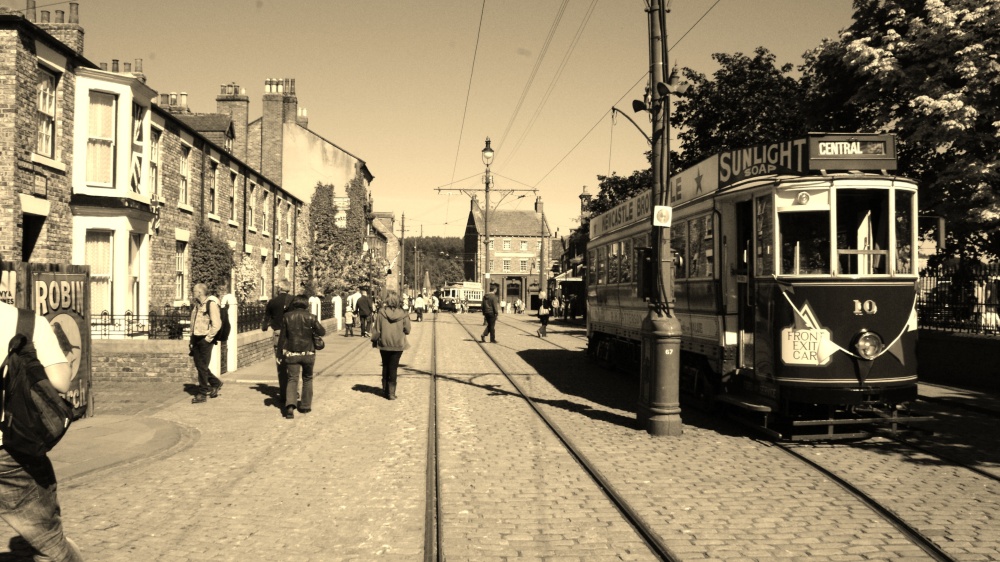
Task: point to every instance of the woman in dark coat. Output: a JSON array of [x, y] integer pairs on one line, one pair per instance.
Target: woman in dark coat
[[298, 326], [544, 311], [391, 326]]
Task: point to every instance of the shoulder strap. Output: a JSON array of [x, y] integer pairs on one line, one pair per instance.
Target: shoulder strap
[[25, 327]]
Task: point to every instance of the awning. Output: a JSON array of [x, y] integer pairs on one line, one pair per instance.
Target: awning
[[567, 276]]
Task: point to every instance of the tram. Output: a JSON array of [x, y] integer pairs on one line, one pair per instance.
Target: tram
[[795, 282]]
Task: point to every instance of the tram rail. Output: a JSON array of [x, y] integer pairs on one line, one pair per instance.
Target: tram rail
[[649, 536]]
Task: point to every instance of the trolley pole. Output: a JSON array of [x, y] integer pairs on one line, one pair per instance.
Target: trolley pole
[[659, 408]]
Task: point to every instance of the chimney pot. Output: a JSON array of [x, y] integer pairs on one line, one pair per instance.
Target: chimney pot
[[104, 66], [293, 87], [74, 12], [184, 99], [127, 67], [243, 91], [164, 99], [30, 11], [60, 16], [45, 16], [114, 65], [138, 65], [173, 98]]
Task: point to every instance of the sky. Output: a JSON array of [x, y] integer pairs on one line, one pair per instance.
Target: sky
[[414, 87]]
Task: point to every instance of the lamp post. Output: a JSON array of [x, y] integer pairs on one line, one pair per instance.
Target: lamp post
[[487, 159]]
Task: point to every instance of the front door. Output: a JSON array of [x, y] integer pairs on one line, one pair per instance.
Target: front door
[[744, 283]]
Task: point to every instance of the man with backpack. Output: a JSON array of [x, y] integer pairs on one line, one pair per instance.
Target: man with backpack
[[28, 501], [206, 320]]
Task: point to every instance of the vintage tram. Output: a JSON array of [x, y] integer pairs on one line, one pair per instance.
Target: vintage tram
[[795, 282]]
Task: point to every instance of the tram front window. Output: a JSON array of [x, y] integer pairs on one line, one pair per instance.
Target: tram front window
[[805, 242], [863, 231]]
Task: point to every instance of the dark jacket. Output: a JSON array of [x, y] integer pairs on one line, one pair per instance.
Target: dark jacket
[[364, 307], [491, 304], [274, 311], [298, 326], [391, 326]]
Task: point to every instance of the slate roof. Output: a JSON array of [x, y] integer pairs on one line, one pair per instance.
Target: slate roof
[[206, 122], [509, 223]]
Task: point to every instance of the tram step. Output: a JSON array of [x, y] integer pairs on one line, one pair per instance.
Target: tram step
[[744, 402]]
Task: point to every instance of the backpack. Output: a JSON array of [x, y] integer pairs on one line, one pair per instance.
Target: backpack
[[34, 415], [226, 328]]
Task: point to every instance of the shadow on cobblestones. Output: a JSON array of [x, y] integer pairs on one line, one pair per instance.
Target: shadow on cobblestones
[[568, 405], [270, 393], [368, 389]]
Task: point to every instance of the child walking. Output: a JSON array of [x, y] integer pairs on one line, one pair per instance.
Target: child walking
[[349, 321]]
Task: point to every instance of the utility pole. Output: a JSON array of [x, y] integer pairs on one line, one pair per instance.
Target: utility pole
[[402, 255], [659, 395]]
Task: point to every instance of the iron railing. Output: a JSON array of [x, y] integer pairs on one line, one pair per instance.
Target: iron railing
[[960, 298]]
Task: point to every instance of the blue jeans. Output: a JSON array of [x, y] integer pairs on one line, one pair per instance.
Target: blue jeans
[[300, 364], [29, 505]]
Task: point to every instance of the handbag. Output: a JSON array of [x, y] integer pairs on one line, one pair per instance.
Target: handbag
[[318, 342], [542, 311]]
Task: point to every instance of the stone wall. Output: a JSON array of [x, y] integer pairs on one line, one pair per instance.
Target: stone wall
[[136, 360]]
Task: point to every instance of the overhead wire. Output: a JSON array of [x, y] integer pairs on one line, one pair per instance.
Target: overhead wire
[[468, 92], [555, 79], [534, 71], [641, 78]]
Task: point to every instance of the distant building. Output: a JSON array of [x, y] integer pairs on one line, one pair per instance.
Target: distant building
[[521, 251]]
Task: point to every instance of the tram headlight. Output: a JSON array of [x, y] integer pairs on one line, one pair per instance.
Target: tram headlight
[[868, 345]]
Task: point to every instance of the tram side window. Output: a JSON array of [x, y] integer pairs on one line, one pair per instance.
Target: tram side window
[[678, 242], [863, 231], [904, 232], [602, 264], [592, 270], [702, 252], [612, 263], [765, 236], [625, 262], [805, 242]]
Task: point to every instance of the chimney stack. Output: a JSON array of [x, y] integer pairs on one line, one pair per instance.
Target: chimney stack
[[233, 101], [290, 104], [539, 206], [272, 129], [68, 32]]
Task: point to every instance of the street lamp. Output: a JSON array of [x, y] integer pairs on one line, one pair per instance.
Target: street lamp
[[487, 159]]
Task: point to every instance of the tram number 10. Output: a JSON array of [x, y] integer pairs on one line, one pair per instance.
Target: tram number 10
[[866, 307]]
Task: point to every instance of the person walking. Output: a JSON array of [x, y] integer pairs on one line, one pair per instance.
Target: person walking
[[298, 328], [392, 325], [418, 305], [205, 323], [491, 308], [28, 498], [274, 312], [544, 311], [349, 322], [365, 308]]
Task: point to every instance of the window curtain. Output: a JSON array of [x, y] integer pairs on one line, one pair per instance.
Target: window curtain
[[99, 257], [100, 144]]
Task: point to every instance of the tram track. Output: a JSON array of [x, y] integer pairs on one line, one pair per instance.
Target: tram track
[[645, 531], [915, 536]]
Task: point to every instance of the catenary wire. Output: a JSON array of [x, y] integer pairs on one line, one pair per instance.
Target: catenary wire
[[643, 77], [534, 71], [468, 92]]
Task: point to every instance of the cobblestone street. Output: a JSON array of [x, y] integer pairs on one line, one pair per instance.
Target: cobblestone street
[[233, 480]]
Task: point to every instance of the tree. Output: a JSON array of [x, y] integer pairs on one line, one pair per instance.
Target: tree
[[211, 259], [928, 71], [337, 262], [441, 257], [749, 101]]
